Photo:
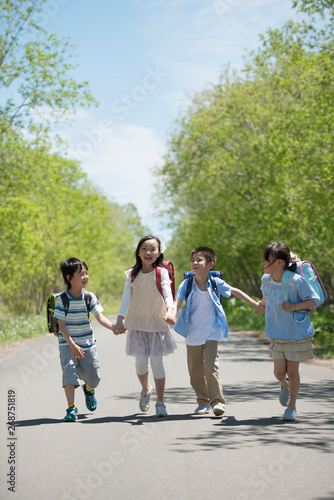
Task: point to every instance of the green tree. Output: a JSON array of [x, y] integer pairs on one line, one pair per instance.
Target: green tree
[[49, 211], [35, 70], [252, 159]]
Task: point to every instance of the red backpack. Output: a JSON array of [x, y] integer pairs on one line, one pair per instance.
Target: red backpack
[[170, 268]]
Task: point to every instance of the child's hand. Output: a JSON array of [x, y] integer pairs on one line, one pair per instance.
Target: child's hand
[[170, 316], [287, 306], [77, 351], [118, 327], [118, 331], [260, 307]]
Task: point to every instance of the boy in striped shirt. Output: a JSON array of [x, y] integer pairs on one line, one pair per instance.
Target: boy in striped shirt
[[77, 346]]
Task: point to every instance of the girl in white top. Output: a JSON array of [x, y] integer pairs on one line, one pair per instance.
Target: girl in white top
[[147, 315]]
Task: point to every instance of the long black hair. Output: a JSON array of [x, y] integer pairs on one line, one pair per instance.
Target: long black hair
[[138, 265], [279, 250]]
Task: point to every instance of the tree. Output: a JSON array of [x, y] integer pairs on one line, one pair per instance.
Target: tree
[[35, 71], [252, 160], [49, 211]]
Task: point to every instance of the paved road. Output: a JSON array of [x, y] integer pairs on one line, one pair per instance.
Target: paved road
[[119, 453]]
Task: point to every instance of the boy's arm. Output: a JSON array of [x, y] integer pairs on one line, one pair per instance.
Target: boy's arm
[[76, 350], [258, 306], [106, 323]]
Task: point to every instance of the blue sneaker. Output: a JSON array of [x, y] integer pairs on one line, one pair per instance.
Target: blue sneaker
[[91, 402], [290, 414], [71, 414]]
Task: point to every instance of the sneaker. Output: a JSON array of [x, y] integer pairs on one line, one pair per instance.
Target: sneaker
[[218, 409], [202, 410], [71, 414], [284, 396], [144, 402], [160, 410], [290, 414], [91, 402]]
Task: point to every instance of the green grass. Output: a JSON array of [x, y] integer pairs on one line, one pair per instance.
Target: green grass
[[21, 328]]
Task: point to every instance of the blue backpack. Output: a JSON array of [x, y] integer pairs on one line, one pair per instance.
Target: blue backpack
[[213, 283], [307, 271]]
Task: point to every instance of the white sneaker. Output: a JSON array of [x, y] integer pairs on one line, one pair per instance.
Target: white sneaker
[[160, 409], [202, 410], [144, 403], [218, 409]]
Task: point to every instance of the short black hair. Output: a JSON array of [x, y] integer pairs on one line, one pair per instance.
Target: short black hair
[[209, 254], [69, 267]]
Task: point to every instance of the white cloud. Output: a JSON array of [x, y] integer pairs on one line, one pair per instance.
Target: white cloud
[[120, 162]]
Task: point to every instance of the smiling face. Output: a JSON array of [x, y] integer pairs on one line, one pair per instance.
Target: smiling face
[[199, 264], [148, 254], [79, 280]]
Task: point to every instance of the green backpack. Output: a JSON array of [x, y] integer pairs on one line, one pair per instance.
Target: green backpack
[[53, 326]]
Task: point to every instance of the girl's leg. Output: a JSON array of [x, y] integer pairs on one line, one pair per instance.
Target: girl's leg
[[294, 382], [159, 377], [160, 388], [142, 371], [280, 372], [69, 393]]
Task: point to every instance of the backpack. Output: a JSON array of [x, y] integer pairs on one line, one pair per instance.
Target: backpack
[[53, 326], [307, 271], [213, 283], [170, 268]]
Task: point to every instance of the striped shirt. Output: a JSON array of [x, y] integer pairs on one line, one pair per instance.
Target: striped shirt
[[77, 322]]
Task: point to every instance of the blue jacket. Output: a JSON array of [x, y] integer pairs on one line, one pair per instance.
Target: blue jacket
[[182, 322]]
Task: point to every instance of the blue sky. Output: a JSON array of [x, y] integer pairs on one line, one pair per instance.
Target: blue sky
[[142, 59]]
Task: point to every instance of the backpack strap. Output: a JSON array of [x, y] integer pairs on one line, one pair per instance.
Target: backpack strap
[[88, 300], [158, 279], [190, 284], [65, 301], [285, 284], [214, 285]]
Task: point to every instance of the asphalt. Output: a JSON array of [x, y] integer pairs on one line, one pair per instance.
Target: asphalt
[[117, 452]]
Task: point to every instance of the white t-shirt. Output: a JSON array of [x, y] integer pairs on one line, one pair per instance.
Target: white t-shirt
[[203, 323]]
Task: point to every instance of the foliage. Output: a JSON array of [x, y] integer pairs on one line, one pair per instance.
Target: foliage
[[323, 322], [35, 70], [252, 160], [49, 211]]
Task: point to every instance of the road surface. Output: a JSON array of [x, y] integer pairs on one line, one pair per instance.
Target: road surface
[[117, 452]]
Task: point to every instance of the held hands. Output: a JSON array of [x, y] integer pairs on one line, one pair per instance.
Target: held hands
[[170, 316], [259, 307], [118, 327]]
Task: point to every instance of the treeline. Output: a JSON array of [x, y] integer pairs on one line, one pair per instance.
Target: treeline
[[48, 208], [252, 159], [50, 211]]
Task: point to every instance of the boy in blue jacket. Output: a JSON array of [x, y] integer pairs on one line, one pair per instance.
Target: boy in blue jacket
[[203, 323]]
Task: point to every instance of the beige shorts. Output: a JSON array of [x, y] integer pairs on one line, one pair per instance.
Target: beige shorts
[[292, 350]]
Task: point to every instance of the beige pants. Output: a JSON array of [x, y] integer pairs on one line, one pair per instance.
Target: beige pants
[[204, 373]]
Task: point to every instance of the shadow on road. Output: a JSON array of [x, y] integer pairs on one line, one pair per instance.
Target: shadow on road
[[232, 433]]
